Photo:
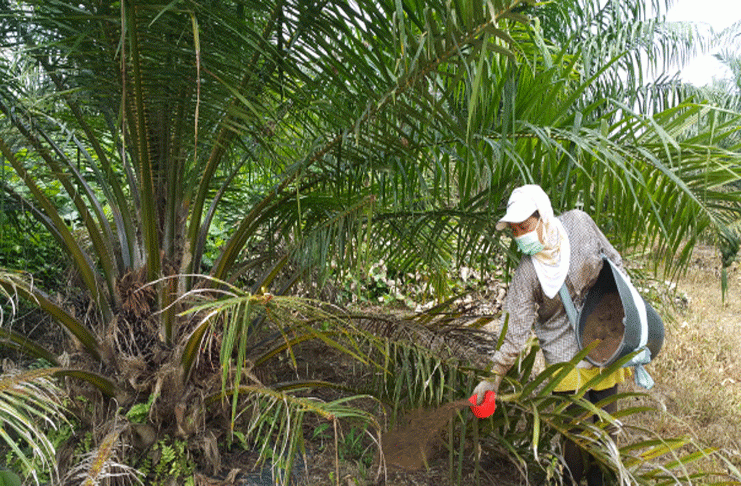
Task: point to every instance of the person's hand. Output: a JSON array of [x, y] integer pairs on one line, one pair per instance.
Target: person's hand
[[485, 386]]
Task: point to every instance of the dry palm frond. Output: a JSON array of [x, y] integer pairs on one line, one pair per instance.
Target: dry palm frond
[[104, 466], [137, 298], [444, 336]]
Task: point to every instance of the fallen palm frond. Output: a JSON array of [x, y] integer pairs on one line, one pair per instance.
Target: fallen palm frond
[[105, 464], [255, 329]]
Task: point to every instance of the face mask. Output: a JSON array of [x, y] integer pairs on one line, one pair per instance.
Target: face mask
[[529, 243]]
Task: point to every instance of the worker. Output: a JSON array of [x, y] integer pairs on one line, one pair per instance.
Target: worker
[[556, 251]]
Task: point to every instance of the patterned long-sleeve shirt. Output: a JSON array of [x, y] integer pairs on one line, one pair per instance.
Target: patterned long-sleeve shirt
[[528, 307]]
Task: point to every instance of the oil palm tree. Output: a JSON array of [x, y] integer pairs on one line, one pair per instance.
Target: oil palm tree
[[162, 125]]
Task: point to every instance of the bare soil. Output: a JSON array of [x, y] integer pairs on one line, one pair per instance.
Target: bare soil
[[410, 446]]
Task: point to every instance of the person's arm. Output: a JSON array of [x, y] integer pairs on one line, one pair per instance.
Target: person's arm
[[520, 310], [519, 313]]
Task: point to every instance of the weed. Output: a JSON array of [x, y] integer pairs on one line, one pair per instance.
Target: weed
[[322, 434], [8, 478], [354, 446], [168, 460], [85, 445], [139, 412]]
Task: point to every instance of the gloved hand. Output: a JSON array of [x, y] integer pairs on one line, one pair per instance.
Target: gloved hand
[[485, 386]]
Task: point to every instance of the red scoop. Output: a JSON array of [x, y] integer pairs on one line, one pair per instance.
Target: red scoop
[[487, 407]]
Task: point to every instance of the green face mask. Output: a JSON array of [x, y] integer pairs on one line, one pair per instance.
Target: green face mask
[[529, 243]]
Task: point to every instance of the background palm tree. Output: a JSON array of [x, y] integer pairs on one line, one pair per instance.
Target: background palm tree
[[244, 152]]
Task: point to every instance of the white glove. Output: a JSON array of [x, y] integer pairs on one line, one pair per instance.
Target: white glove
[[485, 386]]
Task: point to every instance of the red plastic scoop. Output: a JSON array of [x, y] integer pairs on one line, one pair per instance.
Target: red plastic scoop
[[487, 407]]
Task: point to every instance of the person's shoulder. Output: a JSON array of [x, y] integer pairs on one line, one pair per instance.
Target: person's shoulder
[[577, 222], [574, 215]]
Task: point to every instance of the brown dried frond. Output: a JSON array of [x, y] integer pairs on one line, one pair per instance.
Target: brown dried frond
[[138, 299], [450, 337], [133, 337], [135, 371], [168, 389], [103, 465]]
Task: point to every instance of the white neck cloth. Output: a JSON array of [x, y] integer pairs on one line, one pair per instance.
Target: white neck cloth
[[552, 264]]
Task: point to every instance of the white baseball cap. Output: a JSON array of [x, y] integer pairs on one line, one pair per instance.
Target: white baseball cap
[[523, 202]]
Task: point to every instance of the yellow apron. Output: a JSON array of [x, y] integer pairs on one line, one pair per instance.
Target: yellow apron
[[579, 376]]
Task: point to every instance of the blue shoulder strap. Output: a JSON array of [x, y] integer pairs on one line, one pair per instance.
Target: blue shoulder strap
[[568, 304]]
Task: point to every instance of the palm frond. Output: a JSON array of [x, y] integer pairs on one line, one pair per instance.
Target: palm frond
[[69, 322], [526, 424], [529, 418], [30, 406]]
